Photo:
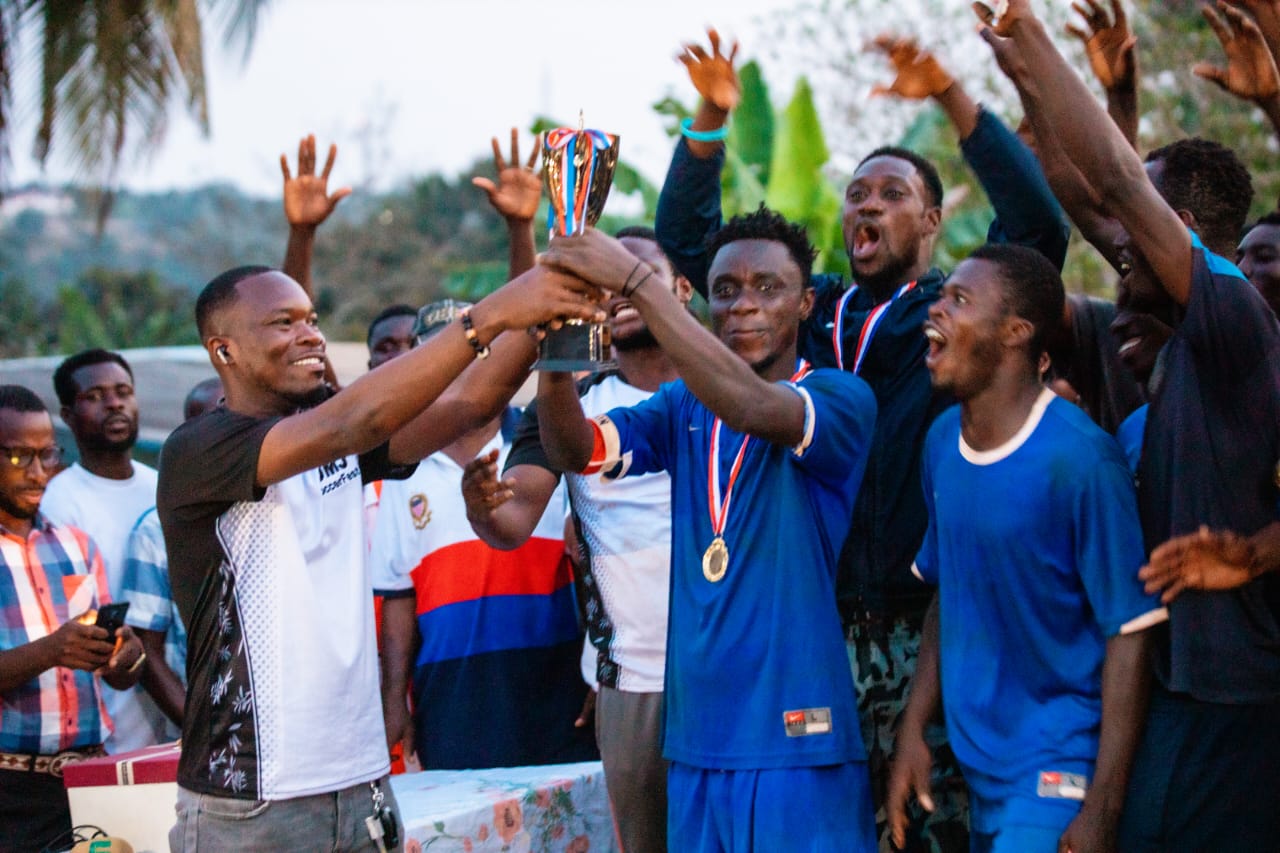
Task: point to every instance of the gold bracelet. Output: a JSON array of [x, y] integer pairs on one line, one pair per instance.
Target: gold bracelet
[[141, 659]]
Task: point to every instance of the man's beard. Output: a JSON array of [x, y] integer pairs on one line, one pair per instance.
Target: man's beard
[[101, 443], [642, 339], [311, 399], [15, 511], [893, 273]]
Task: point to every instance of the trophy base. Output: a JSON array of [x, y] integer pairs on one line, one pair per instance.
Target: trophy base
[[575, 346]]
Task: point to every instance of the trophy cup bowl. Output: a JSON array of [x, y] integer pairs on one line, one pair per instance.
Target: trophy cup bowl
[[577, 171]]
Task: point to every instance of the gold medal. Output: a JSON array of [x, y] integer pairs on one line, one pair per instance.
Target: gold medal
[[715, 560]]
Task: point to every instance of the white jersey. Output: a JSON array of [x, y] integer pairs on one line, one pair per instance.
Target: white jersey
[[107, 510], [625, 528]]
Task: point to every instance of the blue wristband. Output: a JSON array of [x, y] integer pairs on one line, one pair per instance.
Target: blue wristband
[[717, 135]]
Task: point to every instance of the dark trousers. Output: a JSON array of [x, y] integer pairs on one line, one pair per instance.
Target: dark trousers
[[33, 811], [1203, 779]]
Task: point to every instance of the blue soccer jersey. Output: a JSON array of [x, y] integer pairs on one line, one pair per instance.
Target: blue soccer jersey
[[757, 672], [1035, 547]]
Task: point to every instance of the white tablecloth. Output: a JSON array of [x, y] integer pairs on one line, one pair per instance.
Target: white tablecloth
[[561, 808]]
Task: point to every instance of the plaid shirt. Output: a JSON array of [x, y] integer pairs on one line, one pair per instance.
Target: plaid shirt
[[53, 575], [145, 586]]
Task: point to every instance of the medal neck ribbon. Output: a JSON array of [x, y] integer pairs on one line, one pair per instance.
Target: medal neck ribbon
[[868, 326], [719, 507]]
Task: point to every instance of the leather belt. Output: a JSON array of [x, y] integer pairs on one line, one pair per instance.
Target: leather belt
[[51, 764]]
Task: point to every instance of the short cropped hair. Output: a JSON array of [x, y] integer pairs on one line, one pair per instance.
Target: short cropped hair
[[397, 310], [1209, 181], [221, 292], [1272, 218], [927, 171], [766, 224], [20, 398], [65, 387], [1032, 288]]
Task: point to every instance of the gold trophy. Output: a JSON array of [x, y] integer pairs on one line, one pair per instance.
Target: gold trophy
[[577, 171]]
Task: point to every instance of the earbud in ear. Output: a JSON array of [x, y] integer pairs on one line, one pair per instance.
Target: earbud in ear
[[223, 355]]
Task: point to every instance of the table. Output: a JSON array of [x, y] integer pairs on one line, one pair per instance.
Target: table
[[557, 808], [560, 808]]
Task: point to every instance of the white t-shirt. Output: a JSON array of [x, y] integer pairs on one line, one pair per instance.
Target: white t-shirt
[[107, 510], [626, 533]]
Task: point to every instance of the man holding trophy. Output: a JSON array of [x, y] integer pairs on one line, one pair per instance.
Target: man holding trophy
[[765, 457]]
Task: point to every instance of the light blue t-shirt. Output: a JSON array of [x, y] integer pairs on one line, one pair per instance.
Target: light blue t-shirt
[[1035, 547], [757, 672]]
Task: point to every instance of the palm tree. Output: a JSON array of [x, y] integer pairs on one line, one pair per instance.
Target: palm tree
[[107, 71]]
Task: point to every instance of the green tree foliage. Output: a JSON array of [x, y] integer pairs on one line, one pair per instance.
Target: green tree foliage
[[100, 309], [109, 71]]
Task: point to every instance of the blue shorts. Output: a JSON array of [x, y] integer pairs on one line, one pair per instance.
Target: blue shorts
[[816, 809], [1016, 839]]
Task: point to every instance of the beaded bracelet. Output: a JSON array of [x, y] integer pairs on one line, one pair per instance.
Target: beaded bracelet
[[469, 331], [717, 135]]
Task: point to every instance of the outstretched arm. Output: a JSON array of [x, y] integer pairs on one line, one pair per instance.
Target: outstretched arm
[[1081, 202], [1250, 73], [719, 378], [1098, 149], [918, 75], [307, 203], [1026, 211], [1110, 47], [515, 196], [689, 205], [398, 401]]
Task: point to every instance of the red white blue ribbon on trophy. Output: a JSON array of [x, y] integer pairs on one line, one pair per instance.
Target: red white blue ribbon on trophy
[[571, 208]]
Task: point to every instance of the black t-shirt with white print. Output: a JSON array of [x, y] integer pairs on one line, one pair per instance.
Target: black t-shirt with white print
[[273, 585]]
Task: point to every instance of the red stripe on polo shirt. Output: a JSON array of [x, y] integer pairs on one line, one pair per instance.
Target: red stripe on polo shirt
[[469, 570]]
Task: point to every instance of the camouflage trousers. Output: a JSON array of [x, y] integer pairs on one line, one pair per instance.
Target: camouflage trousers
[[883, 661]]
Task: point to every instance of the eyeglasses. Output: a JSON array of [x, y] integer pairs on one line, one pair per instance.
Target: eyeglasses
[[22, 457]]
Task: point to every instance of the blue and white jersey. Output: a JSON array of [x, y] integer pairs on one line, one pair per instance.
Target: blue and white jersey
[[757, 672], [1035, 547]]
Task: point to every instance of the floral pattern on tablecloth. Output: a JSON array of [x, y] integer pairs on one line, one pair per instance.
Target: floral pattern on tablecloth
[[561, 808]]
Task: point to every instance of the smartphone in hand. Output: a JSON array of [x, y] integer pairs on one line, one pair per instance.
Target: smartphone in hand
[[111, 617]]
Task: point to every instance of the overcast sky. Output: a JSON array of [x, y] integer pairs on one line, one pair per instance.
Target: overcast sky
[[408, 87]]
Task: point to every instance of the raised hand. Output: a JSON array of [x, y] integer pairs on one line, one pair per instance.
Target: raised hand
[[519, 188], [1108, 43], [600, 259], [1250, 73], [537, 297], [482, 491], [713, 74], [1001, 15], [307, 201], [919, 75], [1205, 560], [1267, 15]]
